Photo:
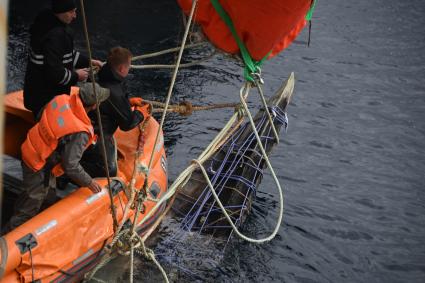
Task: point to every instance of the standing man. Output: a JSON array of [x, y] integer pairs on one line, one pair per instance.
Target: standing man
[[53, 64], [115, 112], [55, 146]]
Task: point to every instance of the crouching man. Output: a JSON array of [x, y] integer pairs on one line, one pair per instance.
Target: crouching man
[[55, 146]]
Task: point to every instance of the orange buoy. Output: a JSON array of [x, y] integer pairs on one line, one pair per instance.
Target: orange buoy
[[263, 26]]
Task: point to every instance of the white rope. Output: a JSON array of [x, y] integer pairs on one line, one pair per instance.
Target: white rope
[[170, 90], [98, 280], [169, 66], [217, 199], [165, 66], [150, 255], [173, 80], [166, 51], [90, 276], [131, 260], [263, 99], [260, 144]]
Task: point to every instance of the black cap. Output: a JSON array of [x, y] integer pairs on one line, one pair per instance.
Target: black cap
[[62, 6]]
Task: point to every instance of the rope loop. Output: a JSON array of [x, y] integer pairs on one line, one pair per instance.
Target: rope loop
[[223, 209], [185, 108], [240, 111], [266, 108]]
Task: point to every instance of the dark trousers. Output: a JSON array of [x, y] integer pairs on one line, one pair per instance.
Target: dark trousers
[[38, 187], [92, 160]]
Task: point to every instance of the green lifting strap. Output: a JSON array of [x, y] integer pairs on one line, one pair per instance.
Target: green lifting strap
[[309, 14], [251, 66]]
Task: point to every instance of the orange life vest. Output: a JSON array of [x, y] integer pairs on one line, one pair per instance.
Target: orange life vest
[[62, 116]]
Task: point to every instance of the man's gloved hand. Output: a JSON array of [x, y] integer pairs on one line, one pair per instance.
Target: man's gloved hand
[[145, 109], [135, 101]]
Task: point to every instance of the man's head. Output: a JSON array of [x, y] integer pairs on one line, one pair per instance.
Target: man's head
[[119, 59], [65, 10], [88, 96]]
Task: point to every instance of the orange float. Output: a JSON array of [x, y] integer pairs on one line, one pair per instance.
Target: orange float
[[66, 240], [265, 27]]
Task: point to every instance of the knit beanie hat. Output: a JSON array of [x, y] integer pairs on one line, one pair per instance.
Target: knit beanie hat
[[62, 6]]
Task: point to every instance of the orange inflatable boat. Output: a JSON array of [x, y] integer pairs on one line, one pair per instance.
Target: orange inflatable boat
[[66, 240]]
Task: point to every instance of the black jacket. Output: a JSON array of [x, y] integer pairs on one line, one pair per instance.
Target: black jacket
[[116, 110], [51, 61]]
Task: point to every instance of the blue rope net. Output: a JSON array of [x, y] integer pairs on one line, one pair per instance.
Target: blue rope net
[[202, 233], [235, 172]]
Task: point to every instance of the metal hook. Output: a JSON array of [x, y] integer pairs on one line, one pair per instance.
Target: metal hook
[[257, 76]]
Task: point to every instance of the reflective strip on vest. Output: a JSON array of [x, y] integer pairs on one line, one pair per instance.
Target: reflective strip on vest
[[36, 56], [67, 61], [77, 55], [37, 62], [66, 77], [37, 59], [67, 58]]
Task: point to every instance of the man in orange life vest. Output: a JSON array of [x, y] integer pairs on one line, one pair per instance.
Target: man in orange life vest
[[54, 146]]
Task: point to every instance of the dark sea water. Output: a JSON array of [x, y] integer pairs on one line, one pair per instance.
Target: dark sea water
[[352, 163]]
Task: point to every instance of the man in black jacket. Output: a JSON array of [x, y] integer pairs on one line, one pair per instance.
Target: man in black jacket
[[115, 112], [53, 64]]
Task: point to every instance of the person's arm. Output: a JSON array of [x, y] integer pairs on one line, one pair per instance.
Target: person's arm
[[126, 118], [73, 149], [82, 61]]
